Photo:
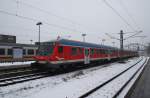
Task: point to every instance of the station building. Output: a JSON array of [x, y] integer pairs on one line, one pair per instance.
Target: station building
[[10, 50]]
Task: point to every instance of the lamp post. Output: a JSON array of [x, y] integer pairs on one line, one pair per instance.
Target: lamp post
[[39, 24], [31, 41], [83, 37], [113, 44], [103, 41]]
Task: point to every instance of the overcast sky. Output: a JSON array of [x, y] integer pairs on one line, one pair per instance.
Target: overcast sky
[[73, 17]]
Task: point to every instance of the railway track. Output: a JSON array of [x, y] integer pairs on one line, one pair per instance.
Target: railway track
[[23, 78], [92, 91], [22, 74], [18, 75]]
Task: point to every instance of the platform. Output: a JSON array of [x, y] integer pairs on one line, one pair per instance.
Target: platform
[[142, 86]]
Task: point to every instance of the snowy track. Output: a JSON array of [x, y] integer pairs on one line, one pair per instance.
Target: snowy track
[[19, 75], [113, 87], [23, 78], [70, 85], [78, 87]]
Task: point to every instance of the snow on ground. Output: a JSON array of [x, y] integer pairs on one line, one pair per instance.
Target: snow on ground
[[76, 87], [26, 89], [15, 63], [69, 85], [126, 89], [109, 90]]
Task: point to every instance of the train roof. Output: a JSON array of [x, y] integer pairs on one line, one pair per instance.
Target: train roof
[[81, 44]]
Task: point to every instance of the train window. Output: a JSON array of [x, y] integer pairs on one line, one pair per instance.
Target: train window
[[60, 49], [80, 50], [2, 51], [74, 51], [103, 51], [36, 51], [109, 51], [24, 51], [30, 52], [10, 52], [97, 52], [92, 51], [45, 49]]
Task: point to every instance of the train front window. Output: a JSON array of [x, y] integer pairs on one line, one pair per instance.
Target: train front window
[[46, 49]]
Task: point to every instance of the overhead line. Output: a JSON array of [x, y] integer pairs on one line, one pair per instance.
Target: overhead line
[[112, 36], [115, 11], [130, 15], [32, 19], [132, 35], [49, 13]]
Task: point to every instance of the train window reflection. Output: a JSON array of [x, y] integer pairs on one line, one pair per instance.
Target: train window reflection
[[2, 51], [45, 49]]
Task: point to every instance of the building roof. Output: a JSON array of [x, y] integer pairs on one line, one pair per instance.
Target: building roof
[[18, 45], [7, 38]]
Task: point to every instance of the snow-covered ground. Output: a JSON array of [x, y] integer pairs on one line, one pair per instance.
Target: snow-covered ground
[[129, 85], [69, 85], [109, 90], [15, 63]]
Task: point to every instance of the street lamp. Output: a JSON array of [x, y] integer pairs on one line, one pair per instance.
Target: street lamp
[[39, 24], [31, 41], [103, 40], [83, 37], [113, 44]]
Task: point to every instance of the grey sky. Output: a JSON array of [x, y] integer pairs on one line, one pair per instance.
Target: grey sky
[[92, 17]]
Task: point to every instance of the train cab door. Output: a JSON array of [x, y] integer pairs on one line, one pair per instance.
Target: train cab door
[[86, 56], [60, 53]]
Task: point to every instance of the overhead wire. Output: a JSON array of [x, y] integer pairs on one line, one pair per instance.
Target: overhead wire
[[129, 13], [32, 19], [50, 13], [117, 13], [63, 18], [132, 35]]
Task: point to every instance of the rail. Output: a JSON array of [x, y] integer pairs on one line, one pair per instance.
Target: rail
[[111, 79]]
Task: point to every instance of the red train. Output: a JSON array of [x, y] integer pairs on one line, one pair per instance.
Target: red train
[[62, 52]]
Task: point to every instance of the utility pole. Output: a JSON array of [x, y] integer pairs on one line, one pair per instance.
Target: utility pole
[[39, 24], [138, 47], [121, 40]]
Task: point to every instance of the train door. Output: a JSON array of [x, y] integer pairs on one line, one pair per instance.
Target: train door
[[86, 56], [60, 53], [17, 53]]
